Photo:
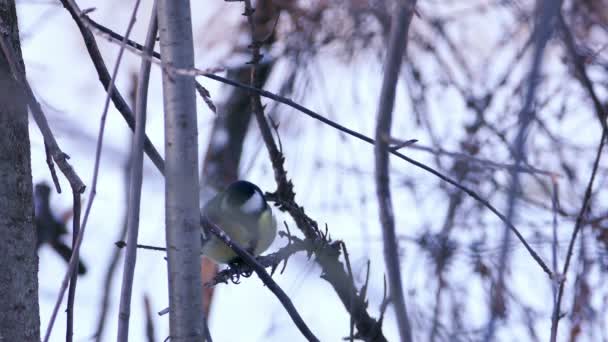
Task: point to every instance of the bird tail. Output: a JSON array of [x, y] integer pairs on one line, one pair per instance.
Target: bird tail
[[66, 253]]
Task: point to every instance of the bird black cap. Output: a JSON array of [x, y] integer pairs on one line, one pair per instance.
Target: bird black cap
[[246, 195]]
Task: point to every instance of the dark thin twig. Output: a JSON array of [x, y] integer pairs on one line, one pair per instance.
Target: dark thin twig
[[136, 48], [136, 179], [351, 329], [396, 50], [264, 276], [399, 144], [581, 72], [122, 244], [547, 13], [581, 217], [484, 162], [577, 227], [69, 334], [73, 262], [554, 243]]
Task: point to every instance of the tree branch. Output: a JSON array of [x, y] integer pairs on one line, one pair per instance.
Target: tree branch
[[581, 217], [135, 182], [396, 51], [547, 15]]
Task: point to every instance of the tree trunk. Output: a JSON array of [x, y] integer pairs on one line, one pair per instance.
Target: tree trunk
[[19, 316], [181, 174]]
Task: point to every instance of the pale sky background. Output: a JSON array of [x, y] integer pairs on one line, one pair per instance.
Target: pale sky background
[[333, 178]]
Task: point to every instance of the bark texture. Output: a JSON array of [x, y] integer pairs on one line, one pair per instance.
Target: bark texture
[[19, 312]]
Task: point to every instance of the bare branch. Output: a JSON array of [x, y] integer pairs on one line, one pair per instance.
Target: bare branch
[[72, 290], [395, 54], [135, 182], [582, 215], [547, 14]]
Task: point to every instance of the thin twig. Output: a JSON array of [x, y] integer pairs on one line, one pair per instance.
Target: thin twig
[[481, 161], [351, 328], [135, 181], [547, 13], [581, 72], [554, 245], [122, 244], [73, 261], [581, 217], [396, 50], [69, 334], [577, 227], [264, 276]]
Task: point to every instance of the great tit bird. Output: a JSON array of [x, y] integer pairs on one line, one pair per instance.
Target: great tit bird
[[243, 213], [48, 228]]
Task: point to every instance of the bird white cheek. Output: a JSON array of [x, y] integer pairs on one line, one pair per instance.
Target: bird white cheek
[[253, 205]]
